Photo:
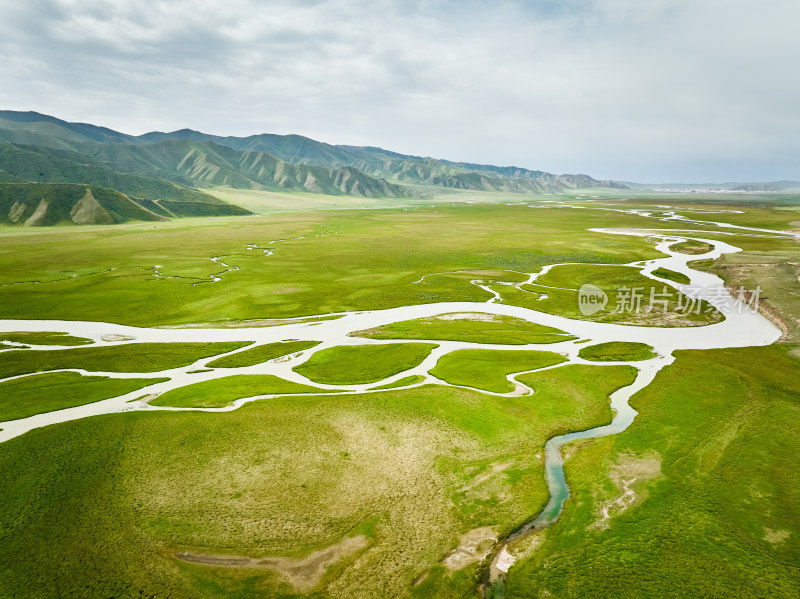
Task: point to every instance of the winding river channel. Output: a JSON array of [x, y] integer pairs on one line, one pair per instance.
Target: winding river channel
[[741, 327]]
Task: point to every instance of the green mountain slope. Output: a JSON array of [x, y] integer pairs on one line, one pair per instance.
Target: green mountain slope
[[275, 162], [43, 204], [189, 159], [377, 162], [206, 163], [54, 127], [34, 164]]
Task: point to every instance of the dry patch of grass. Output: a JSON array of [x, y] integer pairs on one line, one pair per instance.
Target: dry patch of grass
[[625, 474], [776, 536], [302, 573], [472, 548]]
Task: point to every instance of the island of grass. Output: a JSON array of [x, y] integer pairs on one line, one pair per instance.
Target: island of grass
[[9, 346], [692, 247], [617, 351], [262, 353], [358, 364], [671, 275], [130, 357], [474, 327], [44, 338], [218, 393], [487, 368], [39, 393]]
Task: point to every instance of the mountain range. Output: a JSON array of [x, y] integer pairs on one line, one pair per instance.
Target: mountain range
[[49, 168]]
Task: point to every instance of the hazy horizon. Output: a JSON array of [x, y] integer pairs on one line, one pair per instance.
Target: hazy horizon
[[658, 92]]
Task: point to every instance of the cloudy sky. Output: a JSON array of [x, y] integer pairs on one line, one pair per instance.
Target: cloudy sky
[[644, 90]]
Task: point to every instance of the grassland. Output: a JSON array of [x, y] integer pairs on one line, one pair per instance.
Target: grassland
[[44, 338], [262, 353], [471, 327], [97, 507], [630, 295], [356, 364], [712, 461], [130, 357], [617, 351], [30, 395], [218, 393], [487, 369], [318, 266]]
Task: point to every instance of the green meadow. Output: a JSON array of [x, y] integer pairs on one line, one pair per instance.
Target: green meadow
[[394, 492], [712, 462], [107, 502], [327, 270]]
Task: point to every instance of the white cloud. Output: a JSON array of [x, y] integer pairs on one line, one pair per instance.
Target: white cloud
[[663, 89]]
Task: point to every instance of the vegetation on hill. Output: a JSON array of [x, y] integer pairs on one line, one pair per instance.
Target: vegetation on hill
[[268, 161], [42, 204], [116, 196], [53, 151], [381, 163], [39, 165]]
